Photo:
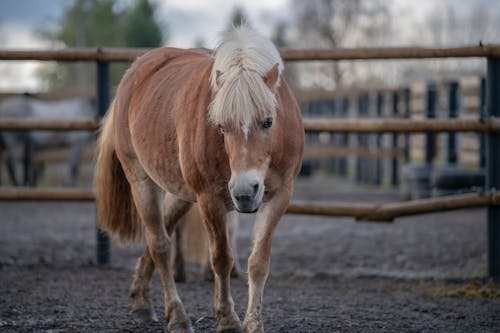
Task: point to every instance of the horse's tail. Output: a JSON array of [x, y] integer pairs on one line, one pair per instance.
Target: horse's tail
[[116, 210]]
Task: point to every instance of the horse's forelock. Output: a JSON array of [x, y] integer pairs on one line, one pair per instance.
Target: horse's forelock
[[241, 61]]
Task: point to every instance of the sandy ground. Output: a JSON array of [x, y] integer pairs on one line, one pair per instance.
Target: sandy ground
[[327, 274]]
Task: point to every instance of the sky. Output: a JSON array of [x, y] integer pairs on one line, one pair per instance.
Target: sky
[[186, 21]]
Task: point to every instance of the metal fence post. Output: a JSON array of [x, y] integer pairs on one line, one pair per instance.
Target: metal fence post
[[344, 137], [394, 162], [482, 115], [362, 175], [359, 141], [453, 106], [378, 162], [103, 98], [430, 149], [407, 115], [493, 165]]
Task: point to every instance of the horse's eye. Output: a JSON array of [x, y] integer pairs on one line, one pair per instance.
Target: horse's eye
[[222, 130], [267, 123]]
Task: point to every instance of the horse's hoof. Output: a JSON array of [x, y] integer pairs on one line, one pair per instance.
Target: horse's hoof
[[145, 315], [184, 327]]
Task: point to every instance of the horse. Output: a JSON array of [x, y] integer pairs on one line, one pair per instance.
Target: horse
[[221, 128], [22, 107]]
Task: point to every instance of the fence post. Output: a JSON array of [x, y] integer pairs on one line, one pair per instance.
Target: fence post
[[103, 98], [493, 165], [344, 137], [430, 149], [453, 105], [482, 115], [407, 115], [362, 175], [394, 163], [378, 163], [359, 140]]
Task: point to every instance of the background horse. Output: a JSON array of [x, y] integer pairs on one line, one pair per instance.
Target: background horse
[[32, 142], [222, 129]]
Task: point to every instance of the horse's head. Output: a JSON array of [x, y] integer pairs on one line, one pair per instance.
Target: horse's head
[[244, 108]]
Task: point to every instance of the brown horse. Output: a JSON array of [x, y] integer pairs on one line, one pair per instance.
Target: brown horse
[[222, 129]]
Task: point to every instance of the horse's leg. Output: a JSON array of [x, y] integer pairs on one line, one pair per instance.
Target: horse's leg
[[28, 162], [146, 197], [158, 254], [266, 221], [76, 155], [232, 224], [213, 216], [11, 167], [179, 262], [142, 309]]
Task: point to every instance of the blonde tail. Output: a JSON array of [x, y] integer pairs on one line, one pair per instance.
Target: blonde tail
[[116, 210]]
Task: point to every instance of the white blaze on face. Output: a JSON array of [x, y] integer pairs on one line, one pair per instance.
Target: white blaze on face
[[246, 129]]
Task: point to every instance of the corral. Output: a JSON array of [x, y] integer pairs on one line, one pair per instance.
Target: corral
[[330, 261]]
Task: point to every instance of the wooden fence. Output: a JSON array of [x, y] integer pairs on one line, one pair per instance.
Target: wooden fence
[[489, 125]]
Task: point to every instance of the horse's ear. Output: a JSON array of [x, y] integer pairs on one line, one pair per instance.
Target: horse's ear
[[272, 76]]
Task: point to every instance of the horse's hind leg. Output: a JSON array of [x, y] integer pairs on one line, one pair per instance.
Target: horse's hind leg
[[142, 309], [158, 231], [179, 261]]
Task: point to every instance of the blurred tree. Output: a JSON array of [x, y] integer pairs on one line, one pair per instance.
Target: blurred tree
[[339, 23], [93, 23], [141, 28]]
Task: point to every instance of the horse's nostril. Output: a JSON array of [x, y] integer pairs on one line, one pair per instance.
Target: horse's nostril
[[255, 188]]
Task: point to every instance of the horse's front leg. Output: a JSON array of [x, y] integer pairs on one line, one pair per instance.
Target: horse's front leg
[[267, 219], [214, 217]]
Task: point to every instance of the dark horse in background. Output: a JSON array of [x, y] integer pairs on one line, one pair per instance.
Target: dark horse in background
[[17, 146]]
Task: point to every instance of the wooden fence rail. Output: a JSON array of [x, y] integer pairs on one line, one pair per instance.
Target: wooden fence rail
[[401, 125], [361, 212], [310, 125], [388, 212], [385, 53], [48, 125]]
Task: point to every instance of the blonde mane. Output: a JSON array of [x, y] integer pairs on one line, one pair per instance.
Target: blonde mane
[[241, 61]]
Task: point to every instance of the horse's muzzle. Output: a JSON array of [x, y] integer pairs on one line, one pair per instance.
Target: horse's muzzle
[[247, 190]]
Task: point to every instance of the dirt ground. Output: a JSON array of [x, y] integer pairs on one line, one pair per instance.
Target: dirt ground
[[419, 274]]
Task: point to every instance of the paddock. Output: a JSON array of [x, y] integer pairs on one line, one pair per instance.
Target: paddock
[[370, 276], [362, 276]]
